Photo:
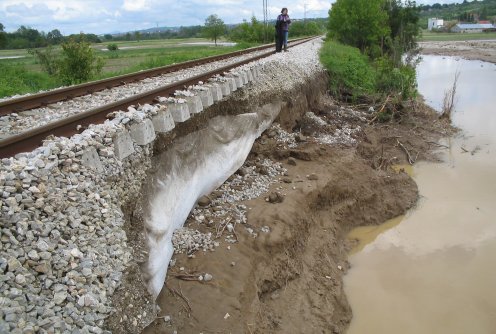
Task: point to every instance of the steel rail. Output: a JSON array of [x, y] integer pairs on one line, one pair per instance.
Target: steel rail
[[67, 93], [29, 140]]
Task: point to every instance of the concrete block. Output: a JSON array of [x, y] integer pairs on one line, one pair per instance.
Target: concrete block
[[206, 98], [91, 159], [232, 84], [239, 81], [163, 121], [226, 88], [244, 76], [250, 75], [143, 133], [179, 111], [194, 104], [216, 92], [123, 145]]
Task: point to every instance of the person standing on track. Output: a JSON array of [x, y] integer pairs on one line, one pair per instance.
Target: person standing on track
[[282, 28]]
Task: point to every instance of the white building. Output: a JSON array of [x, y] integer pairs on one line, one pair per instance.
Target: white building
[[477, 27], [435, 23]]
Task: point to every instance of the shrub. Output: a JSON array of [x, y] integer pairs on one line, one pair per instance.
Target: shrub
[[350, 71], [47, 58], [79, 62], [395, 80], [112, 47]]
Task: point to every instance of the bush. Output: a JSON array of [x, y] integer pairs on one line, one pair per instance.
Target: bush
[[395, 80], [112, 47], [350, 71], [79, 62], [47, 58]]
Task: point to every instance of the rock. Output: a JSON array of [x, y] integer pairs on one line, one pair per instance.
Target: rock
[[33, 255], [300, 138], [167, 318], [42, 268], [20, 279], [292, 161], [287, 180], [312, 177], [13, 264], [87, 300], [204, 201], [276, 197], [59, 297], [207, 277]]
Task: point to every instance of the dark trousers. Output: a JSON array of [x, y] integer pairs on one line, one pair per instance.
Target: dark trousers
[[279, 40]]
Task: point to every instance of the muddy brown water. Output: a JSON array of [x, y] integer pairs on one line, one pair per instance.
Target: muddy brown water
[[432, 270]]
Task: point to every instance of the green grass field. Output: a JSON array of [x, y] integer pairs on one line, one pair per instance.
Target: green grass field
[[24, 75], [428, 36]]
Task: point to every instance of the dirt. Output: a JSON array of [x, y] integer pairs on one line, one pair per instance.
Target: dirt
[[289, 279], [484, 50]]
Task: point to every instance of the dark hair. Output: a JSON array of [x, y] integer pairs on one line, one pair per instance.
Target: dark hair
[[284, 9]]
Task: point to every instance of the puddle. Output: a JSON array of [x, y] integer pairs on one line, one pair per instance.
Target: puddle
[[432, 271]]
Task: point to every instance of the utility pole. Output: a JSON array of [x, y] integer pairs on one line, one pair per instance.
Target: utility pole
[[266, 19]]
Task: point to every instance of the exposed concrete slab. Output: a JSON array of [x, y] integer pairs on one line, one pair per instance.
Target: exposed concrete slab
[[163, 121], [123, 145], [226, 88], [232, 84], [143, 133], [91, 159], [239, 81], [206, 98], [244, 76], [179, 111], [216, 92], [250, 75], [195, 105]]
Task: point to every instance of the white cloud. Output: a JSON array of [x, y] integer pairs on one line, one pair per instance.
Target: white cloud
[[97, 16], [135, 5]]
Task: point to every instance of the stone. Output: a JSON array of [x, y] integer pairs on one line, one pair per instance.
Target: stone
[[312, 177], [276, 197], [300, 138], [207, 277], [59, 297], [20, 279], [143, 133], [292, 161], [13, 264], [204, 201]]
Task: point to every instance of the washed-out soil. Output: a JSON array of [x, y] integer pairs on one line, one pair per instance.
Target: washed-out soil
[[484, 50], [289, 280]]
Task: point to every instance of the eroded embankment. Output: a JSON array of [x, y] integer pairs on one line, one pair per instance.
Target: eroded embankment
[[280, 269]]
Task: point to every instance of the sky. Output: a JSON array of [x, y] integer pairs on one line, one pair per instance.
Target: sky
[[108, 16]]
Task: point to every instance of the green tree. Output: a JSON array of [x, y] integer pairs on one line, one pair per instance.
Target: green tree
[[108, 37], [137, 36], [54, 37], [3, 37], [359, 23], [214, 28], [79, 62]]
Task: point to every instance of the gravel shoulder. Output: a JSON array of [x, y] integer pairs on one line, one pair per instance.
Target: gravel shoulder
[[484, 50]]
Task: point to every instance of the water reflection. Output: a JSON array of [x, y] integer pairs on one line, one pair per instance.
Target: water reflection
[[434, 272]]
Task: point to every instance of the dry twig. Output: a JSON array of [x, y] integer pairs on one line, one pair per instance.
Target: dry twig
[[410, 160]]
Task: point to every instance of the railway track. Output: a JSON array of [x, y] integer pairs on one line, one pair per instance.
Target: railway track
[[68, 125]]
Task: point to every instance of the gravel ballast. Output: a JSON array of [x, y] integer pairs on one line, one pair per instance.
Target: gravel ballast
[[63, 248]]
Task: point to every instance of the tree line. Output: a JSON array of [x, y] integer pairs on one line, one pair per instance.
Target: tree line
[[252, 31]]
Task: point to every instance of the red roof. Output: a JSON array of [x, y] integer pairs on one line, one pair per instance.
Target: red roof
[[484, 22]]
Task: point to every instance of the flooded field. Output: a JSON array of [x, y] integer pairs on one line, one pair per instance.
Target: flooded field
[[432, 271]]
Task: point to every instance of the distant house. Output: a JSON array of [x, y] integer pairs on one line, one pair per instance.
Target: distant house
[[435, 23], [472, 27]]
